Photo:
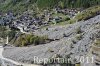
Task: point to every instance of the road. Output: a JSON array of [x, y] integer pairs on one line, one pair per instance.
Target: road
[[1, 50]]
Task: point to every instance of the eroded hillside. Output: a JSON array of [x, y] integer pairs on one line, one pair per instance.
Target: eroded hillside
[[73, 40]]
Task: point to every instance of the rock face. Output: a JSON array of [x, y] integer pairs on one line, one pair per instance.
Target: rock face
[[74, 40]]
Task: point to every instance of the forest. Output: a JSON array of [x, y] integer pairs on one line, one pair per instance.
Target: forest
[[67, 3], [23, 5]]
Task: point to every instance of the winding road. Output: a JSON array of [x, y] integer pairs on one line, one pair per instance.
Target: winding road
[[12, 61]]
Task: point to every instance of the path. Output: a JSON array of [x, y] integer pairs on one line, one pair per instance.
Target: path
[[12, 61]]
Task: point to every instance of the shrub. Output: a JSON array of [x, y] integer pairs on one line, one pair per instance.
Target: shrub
[[11, 34], [67, 18], [78, 30], [50, 50], [25, 40], [72, 21], [3, 32], [97, 42], [79, 36]]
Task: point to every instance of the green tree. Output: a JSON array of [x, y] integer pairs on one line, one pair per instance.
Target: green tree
[[61, 4]]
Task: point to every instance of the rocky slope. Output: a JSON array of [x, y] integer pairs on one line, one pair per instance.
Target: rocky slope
[[74, 40], [95, 51]]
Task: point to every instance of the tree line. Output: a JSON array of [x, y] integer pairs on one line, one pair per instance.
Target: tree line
[[22, 5], [67, 3]]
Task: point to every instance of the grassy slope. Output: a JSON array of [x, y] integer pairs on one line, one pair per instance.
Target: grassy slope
[[86, 14]]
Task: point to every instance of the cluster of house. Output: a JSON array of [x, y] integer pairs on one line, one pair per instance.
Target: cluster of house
[[27, 22], [6, 18], [70, 12]]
